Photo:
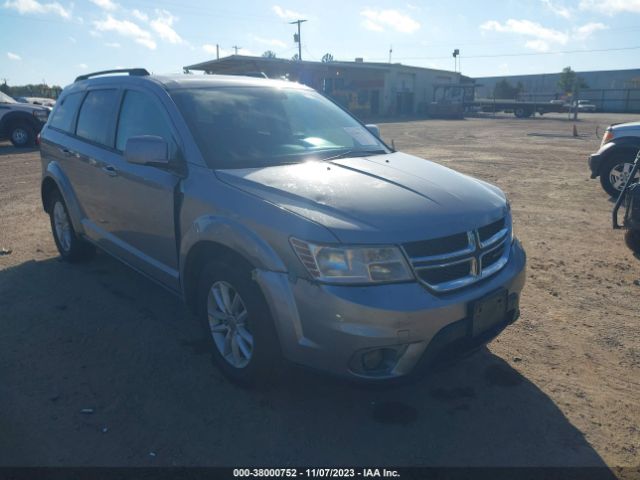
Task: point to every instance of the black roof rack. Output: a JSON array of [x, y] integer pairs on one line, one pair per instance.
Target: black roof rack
[[138, 72]]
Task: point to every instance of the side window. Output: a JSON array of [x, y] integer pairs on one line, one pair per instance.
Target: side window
[[96, 116], [141, 115], [65, 111]]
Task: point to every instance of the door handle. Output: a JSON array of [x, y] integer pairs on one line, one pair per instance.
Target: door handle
[[65, 151], [110, 170]]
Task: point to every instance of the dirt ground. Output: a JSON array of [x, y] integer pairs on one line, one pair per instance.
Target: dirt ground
[[560, 387]]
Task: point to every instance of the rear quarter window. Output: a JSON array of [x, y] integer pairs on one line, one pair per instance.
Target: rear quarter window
[[97, 116], [64, 113]]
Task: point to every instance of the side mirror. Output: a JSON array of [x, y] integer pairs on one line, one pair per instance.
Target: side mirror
[[147, 150], [374, 129]]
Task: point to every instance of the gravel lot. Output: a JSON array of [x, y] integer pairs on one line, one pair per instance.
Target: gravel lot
[[559, 387]]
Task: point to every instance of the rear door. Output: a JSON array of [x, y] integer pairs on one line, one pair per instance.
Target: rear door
[[138, 213]]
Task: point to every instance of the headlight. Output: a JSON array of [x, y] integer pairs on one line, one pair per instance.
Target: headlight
[[342, 264], [41, 115]]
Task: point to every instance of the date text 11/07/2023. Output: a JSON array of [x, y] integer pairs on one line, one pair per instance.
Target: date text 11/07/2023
[[315, 472]]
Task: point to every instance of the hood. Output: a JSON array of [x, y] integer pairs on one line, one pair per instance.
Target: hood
[[379, 199], [26, 107], [625, 126]]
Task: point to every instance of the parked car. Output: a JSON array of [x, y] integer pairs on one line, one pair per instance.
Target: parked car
[[630, 198], [47, 102], [286, 225], [586, 106], [21, 122], [614, 160]]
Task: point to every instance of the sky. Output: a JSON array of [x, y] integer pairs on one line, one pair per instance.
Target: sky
[[56, 40]]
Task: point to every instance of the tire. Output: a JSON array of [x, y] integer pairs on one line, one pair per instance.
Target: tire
[[612, 173], [22, 136], [72, 248], [244, 346], [522, 112], [632, 239]]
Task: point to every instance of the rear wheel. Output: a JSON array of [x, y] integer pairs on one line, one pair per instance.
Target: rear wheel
[[522, 112], [22, 136], [237, 322], [615, 172], [71, 247]]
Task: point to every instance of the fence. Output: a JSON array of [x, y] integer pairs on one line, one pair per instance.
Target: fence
[[620, 100]]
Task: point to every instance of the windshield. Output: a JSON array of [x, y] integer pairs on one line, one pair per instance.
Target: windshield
[[240, 127], [4, 98]]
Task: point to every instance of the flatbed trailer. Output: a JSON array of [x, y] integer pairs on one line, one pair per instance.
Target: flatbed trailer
[[519, 109]]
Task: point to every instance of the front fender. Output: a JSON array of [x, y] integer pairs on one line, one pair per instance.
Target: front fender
[[234, 236], [54, 173]]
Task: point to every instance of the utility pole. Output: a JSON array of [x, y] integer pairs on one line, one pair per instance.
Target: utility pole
[[298, 38], [217, 52], [236, 48], [390, 52]]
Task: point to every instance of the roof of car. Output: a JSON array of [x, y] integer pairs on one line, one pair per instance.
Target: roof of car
[[171, 82]]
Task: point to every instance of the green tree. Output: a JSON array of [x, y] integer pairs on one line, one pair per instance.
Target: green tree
[[570, 82], [503, 89], [327, 58], [269, 54], [295, 58]]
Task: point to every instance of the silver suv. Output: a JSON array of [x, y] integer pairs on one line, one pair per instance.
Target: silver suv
[[286, 225]]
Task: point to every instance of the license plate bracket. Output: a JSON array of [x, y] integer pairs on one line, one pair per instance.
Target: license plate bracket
[[488, 311]]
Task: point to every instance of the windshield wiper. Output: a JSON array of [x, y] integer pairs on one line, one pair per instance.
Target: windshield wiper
[[355, 153]]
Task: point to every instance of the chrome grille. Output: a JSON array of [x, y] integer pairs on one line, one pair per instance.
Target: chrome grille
[[449, 263]]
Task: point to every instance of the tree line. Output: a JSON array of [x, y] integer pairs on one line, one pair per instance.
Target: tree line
[[31, 90], [569, 83]]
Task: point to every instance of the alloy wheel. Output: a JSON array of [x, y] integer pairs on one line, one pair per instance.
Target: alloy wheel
[[619, 174], [62, 226], [227, 315]]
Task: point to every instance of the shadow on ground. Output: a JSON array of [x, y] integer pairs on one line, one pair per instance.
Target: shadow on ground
[[98, 336], [7, 148]]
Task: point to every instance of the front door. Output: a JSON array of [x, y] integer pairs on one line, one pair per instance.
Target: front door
[[139, 214]]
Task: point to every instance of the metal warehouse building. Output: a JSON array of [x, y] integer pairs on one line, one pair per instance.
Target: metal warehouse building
[[609, 90], [366, 89]]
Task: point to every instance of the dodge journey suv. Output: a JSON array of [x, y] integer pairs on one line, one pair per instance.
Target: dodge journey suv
[[286, 225]]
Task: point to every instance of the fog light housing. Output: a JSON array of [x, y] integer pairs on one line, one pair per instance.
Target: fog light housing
[[372, 360]]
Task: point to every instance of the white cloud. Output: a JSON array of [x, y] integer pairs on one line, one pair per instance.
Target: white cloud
[[273, 42], [287, 14], [163, 26], [33, 6], [13, 56], [126, 28], [559, 10], [543, 37], [72, 39], [377, 20], [611, 7], [537, 45], [586, 30], [140, 15], [82, 66], [108, 5], [112, 45]]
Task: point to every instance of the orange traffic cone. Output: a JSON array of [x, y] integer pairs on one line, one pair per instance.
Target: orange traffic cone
[[575, 130]]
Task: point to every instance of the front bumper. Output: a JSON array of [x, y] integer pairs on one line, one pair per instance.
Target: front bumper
[[331, 328], [595, 161]]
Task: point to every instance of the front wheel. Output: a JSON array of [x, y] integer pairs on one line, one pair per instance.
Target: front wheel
[[71, 247], [237, 322], [614, 175]]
